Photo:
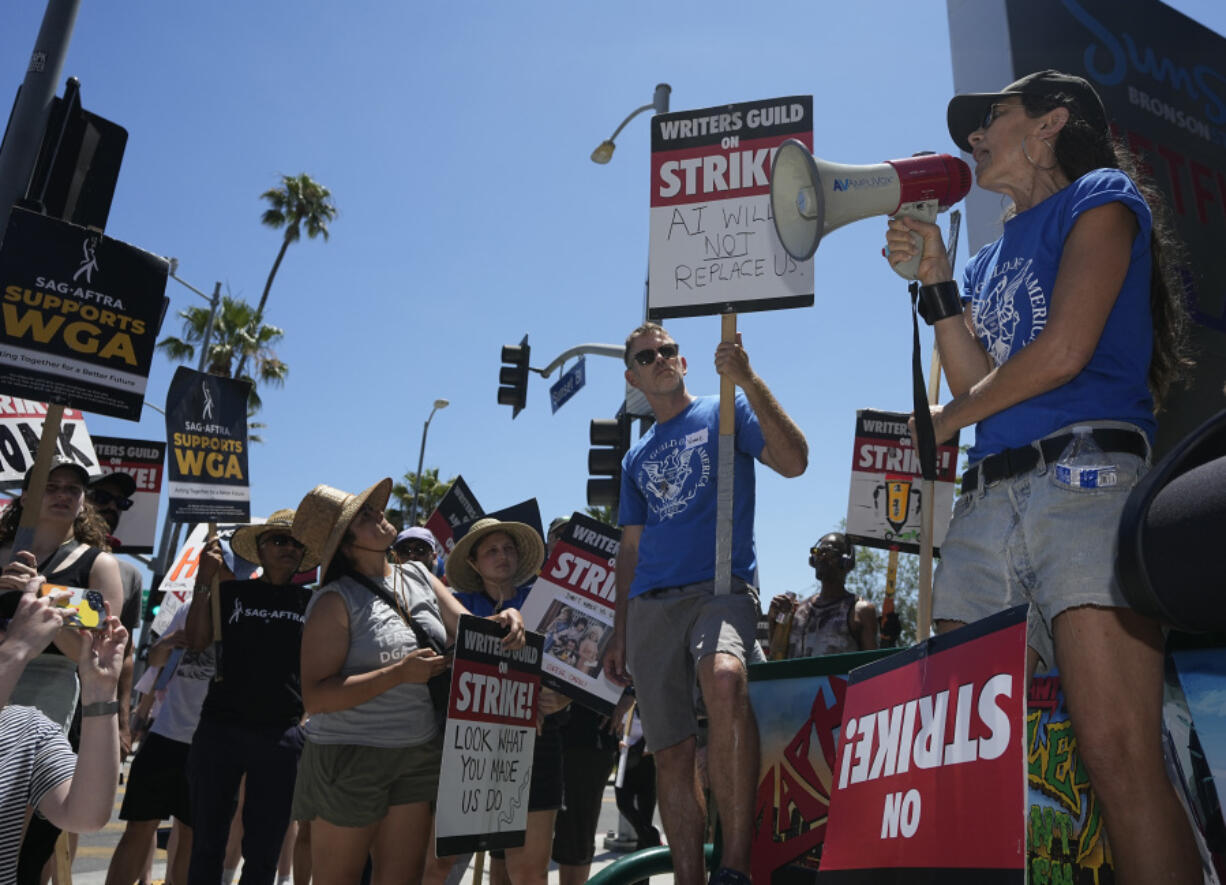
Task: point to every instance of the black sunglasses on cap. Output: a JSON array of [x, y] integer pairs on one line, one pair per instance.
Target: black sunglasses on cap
[[414, 548], [647, 355]]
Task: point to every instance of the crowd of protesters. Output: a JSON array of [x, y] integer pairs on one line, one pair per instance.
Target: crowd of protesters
[[320, 698]]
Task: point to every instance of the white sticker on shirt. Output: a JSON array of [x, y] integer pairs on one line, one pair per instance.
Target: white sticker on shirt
[[697, 438]]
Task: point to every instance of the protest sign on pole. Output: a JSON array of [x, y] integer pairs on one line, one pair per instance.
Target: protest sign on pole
[[885, 500], [458, 507], [713, 247], [206, 428], [81, 315], [142, 460], [21, 428], [931, 777], [571, 604], [180, 578], [488, 741]]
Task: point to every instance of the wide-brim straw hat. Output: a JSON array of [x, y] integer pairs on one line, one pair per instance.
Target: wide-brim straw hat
[[246, 541], [460, 572], [325, 513]]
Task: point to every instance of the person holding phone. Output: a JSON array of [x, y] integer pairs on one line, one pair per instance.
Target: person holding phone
[[73, 791]]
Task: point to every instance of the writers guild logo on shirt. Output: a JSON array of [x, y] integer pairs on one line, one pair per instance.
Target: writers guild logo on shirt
[[675, 479], [89, 261]]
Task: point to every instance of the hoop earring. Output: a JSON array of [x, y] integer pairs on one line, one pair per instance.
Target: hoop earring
[[1030, 159]]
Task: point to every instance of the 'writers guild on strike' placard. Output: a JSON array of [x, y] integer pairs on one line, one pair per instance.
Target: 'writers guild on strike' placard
[[713, 247], [488, 741]]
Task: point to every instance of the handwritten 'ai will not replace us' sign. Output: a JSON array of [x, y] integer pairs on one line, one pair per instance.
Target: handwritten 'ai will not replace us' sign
[[713, 243]]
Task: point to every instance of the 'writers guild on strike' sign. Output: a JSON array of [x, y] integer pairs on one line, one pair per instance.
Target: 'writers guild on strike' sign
[[488, 741]]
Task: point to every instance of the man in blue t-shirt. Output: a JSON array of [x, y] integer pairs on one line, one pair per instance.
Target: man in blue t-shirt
[[669, 626]]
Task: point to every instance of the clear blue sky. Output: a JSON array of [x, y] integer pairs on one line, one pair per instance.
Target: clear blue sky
[[455, 139]]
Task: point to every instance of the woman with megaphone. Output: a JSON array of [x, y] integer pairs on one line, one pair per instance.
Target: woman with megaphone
[[1068, 333]]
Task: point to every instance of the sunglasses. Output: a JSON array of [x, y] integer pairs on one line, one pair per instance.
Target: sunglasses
[[995, 111], [647, 355], [282, 541], [415, 548], [104, 499]]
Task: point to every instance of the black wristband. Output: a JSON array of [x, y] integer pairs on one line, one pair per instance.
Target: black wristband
[[939, 301], [100, 708]]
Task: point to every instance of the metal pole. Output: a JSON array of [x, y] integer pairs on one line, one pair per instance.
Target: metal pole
[[421, 457], [32, 107], [170, 531]]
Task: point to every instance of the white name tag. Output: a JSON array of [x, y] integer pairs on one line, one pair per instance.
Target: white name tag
[[697, 438]]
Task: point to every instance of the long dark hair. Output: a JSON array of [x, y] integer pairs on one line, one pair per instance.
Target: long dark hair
[[89, 528], [1081, 148]]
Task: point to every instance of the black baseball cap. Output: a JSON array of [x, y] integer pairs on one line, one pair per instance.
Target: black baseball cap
[[123, 481], [57, 462], [966, 112]]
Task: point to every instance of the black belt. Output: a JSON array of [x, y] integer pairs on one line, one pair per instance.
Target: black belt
[[1011, 462]]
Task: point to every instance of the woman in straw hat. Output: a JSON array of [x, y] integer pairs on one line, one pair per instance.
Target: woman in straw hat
[[490, 569], [370, 767], [249, 723]]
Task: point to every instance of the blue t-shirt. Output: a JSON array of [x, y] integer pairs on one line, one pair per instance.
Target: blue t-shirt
[[668, 487], [482, 605], [1010, 283]]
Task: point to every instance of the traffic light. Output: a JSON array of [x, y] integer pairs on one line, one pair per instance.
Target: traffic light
[[610, 439], [513, 377]]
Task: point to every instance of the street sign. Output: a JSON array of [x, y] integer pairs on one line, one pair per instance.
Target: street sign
[[569, 384]]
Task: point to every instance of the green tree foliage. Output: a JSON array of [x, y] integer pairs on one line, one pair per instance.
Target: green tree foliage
[[605, 514], [237, 335], [867, 579], [299, 203], [432, 491]]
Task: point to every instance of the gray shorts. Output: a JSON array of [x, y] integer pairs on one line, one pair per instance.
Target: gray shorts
[[667, 632], [1027, 539]]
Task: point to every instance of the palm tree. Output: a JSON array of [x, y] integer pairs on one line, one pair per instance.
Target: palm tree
[[237, 333], [432, 491], [299, 202]]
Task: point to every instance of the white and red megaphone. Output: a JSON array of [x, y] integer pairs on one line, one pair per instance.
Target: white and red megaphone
[[811, 197]]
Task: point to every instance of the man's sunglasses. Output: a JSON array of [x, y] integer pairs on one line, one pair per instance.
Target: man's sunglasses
[[415, 548], [647, 355], [282, 541], [103, 499]]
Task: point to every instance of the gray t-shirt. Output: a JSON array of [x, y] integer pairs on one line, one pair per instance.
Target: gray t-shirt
[[378, 636]]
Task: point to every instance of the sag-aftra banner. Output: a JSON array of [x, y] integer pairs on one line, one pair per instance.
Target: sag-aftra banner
[[79, 316], [206, 432]]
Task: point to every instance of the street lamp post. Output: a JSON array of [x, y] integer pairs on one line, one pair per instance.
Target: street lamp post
[[659, 104], [421, 457]]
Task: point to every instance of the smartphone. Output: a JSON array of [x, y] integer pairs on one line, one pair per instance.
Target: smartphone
[[88, 607]]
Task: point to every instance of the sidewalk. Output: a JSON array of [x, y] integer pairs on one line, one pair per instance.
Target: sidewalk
[[608, 823]]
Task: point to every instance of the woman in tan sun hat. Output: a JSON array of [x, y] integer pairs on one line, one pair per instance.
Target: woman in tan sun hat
[[370, 767], [490, 569]]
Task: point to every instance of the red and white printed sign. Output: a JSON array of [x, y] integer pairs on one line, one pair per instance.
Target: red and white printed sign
[[571, 604], [142, 460], [931, 770], [713, 244], [488, 741], [885, 500]]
